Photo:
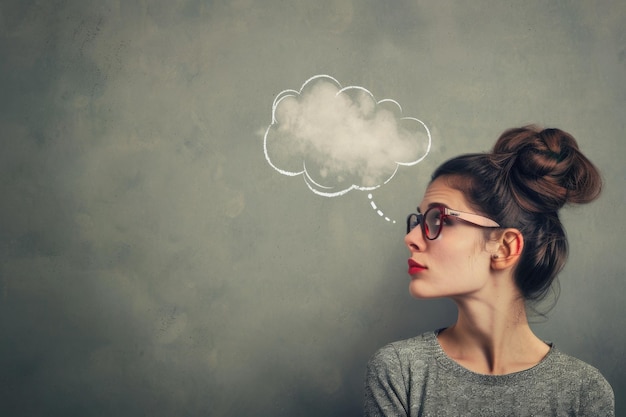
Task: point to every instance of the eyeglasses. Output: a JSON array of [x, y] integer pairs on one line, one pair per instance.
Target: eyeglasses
[[432, 221]]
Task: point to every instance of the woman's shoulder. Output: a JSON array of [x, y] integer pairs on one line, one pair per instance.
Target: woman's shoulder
[[397, 360], [419, 347], [573, 365], [576, 370], [572, 375]]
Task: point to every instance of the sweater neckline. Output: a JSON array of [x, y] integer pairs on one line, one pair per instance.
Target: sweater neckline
[[451, 365]]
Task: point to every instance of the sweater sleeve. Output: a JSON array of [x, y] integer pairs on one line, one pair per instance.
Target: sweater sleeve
[[385, 388], [598, 398]]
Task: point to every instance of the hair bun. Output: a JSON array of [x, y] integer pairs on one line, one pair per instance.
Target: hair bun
[[545, 169]]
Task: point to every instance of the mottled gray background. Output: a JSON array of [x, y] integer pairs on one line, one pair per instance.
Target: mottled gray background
[[153, 263]]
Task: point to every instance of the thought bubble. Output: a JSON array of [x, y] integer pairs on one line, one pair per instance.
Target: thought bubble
[[341, 138], [379, 211]]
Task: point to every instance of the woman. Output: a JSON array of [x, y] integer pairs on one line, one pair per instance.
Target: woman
[[487, 235]]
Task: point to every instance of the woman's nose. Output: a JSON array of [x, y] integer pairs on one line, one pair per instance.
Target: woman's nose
[[414, 240]]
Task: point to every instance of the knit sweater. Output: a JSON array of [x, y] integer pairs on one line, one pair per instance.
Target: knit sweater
[[415, 377]]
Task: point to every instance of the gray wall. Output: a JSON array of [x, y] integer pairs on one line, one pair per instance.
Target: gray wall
[[152, 262]]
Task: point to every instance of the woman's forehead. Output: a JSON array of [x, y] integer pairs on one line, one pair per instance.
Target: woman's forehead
[[440, 192]]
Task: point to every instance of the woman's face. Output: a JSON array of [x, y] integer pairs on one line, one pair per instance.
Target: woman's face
[[457, 263]]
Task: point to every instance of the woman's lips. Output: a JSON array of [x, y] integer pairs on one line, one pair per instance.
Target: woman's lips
[[415, 267]]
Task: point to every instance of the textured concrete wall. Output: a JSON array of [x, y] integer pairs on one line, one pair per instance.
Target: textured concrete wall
[[152, 261]]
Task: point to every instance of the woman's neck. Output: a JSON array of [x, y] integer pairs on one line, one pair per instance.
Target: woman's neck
[[493, 337]]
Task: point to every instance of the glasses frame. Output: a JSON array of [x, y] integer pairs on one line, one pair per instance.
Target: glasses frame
[[475, 219]]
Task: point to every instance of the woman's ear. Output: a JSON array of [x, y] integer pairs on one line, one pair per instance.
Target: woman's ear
[[509, 249]]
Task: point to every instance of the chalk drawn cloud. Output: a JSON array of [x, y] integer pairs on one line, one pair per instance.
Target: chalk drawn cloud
[[340, 138]]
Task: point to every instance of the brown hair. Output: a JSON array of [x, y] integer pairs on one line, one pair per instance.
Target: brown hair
[[529, 175]]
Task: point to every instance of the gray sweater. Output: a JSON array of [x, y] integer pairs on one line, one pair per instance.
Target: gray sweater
[[414, 377]]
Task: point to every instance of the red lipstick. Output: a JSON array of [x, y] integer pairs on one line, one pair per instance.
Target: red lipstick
[[415, 268]]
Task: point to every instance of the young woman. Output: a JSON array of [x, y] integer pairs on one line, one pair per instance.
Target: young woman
[[487, 235]]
